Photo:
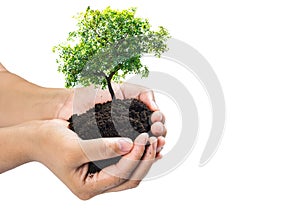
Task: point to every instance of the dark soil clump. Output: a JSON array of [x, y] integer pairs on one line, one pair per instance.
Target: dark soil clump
[[118, 118]]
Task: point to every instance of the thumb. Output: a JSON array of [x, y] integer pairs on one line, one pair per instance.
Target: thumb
[[104, 148]]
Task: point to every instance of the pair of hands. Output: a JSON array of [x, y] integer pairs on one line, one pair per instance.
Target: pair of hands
[[74, 154], [40, 133]]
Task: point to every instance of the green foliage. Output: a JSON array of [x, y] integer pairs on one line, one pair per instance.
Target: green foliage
[[108, 45]]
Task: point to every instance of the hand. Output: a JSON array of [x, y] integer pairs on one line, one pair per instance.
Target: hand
[[147, 97], [40, 103], [83, 99], [67, 156]]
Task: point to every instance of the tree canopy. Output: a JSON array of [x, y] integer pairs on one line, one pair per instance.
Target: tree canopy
[[106, 46]]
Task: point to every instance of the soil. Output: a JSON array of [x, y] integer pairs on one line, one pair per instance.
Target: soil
[[118, 118]]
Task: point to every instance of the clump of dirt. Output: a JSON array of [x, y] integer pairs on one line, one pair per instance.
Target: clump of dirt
[[117, 118]]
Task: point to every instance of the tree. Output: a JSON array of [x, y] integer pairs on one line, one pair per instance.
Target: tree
[[106, 46]]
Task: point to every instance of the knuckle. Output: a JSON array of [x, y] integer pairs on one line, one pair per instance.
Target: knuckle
[[114, 148], [111, 149]]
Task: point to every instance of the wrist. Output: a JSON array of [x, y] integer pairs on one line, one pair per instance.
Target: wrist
[[22, 101], [34, 136], [16, 146]]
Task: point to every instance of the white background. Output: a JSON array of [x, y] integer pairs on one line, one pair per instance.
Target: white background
[[254, 48]]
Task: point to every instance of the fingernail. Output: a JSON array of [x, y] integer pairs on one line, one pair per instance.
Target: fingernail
[[156, 116], [157, 128], [154, 105], [125, 144], [152, 140], [142, 139]]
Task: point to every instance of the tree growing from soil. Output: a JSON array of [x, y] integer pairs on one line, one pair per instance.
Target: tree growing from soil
[[106, 46]]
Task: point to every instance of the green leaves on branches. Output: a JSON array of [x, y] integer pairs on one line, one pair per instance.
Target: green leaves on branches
[[107, 45]]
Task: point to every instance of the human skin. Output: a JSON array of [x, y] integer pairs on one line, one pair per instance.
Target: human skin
[[22, 101], [68, 157], [39, 132]]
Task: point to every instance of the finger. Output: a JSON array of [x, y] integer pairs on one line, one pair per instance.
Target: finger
[[139, 92], [157, 116], [129, 162], [142, 169], [132, 90], [104, 148], [147, 161], [147, 97], [158, 129], [2, 68], [158, 157], [117, 174], [160, 144]]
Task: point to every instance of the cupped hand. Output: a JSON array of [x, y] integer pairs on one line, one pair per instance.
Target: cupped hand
[[67, 156]]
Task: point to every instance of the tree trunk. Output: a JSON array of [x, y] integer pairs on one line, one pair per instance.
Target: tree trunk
[[108, 79], [111, 91]]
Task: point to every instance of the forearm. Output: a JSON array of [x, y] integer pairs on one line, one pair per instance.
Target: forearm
[[22, 101], [15, 147]]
